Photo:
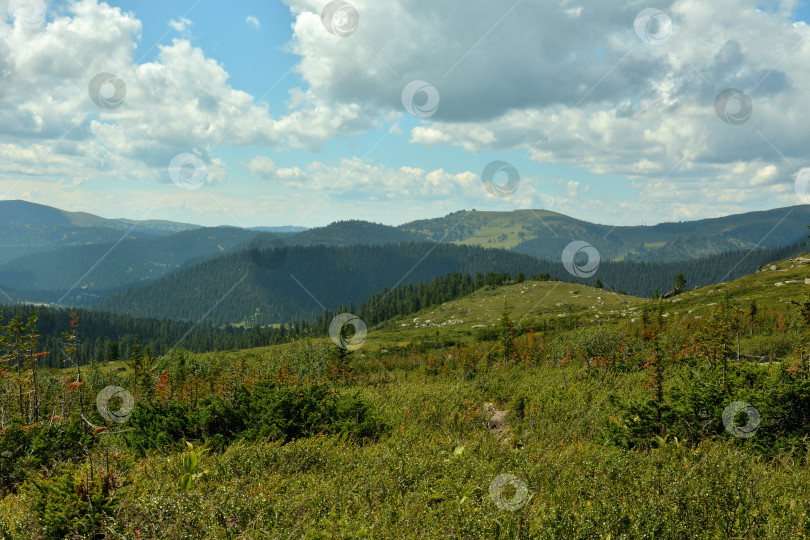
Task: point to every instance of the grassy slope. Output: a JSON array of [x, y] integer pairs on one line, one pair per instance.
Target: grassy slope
[[530, 301], [430, 478]]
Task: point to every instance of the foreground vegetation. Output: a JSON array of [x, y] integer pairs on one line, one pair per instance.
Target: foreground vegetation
[[616, 426]]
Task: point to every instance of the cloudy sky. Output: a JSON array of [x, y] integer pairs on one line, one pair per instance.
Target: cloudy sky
[[303, 112]]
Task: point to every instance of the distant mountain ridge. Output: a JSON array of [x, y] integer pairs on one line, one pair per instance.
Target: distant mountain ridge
[[27, 228], [47, 254], [18, 211], [545, 234]]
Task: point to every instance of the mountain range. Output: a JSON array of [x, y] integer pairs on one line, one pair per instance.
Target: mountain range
[[166, 269]]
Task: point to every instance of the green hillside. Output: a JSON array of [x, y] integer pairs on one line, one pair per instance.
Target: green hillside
[[545, 234], [561, 304], [233, 289]]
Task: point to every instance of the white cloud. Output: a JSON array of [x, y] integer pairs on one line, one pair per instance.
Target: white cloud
[[369, 180], [178, 102], [558, 82], [573, 83], [264, 168], [253, 22], [180, 24]]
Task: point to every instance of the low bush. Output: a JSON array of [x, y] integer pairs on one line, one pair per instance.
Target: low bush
[[25, 449], [264, 411]]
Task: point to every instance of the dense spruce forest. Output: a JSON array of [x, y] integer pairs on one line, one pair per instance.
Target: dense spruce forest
[[109, 336], [237, 290]]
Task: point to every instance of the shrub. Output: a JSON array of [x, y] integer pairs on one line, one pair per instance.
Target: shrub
[[774, 345], [31, 448], [265, 411], [73, 504]]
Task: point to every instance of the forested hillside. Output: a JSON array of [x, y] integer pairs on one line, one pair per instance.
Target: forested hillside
[[91, 272], [350, 232], [109, 336], [234, 289], [544, 234]]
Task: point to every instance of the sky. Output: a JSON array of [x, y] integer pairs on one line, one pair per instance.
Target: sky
[[305, 112]]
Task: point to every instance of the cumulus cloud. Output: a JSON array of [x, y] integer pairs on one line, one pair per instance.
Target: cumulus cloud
[[264, 168], [181, 101], [567, 81], [574, 83]]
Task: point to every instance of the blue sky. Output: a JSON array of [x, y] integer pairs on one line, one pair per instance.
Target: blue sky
[[292, 124]]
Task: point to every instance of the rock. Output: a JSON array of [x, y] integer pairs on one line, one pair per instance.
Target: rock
[[775, 267], [807, 281]]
